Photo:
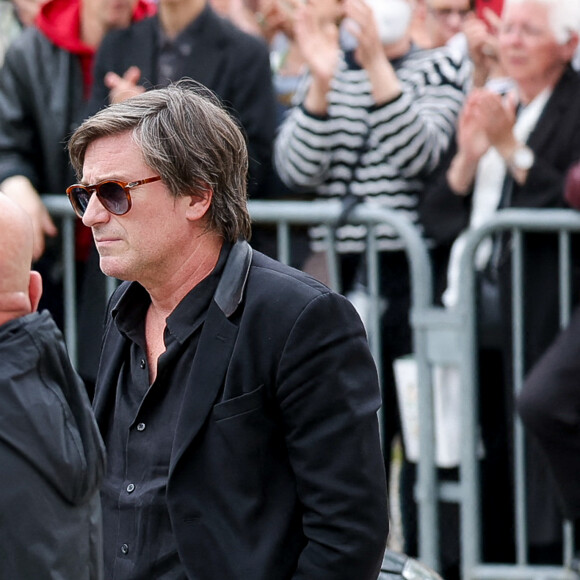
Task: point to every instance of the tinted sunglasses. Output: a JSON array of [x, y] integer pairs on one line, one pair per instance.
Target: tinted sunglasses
[[114, 195]]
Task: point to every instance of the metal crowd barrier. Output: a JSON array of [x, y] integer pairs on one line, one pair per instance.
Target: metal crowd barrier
[[441, 336], [518, 222]]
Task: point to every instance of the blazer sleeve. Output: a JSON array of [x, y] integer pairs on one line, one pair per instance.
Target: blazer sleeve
[[254, 102], [328, 394]]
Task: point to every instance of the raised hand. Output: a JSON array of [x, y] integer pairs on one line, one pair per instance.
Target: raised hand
[[121, 88], [370, 53], [21, 190], [317, 40]]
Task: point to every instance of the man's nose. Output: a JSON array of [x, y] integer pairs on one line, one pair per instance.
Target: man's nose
[[95, 212]]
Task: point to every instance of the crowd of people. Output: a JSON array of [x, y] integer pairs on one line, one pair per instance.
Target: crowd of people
[[443, 110]]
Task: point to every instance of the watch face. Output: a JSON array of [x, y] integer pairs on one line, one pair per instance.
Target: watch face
[[523, 158]]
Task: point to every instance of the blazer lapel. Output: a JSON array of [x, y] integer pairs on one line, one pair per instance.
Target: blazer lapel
[[550, 120], [206, 378], [214, 351]]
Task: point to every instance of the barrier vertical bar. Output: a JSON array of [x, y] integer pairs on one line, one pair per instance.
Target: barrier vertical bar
[[518, 373], [69, 286], [470, 515], [283, 238]]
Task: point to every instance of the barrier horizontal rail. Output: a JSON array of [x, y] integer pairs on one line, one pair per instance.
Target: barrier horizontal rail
[[293, 213]]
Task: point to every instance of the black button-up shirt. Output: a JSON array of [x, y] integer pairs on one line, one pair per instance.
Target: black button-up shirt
[[138, 539], [173, 53]]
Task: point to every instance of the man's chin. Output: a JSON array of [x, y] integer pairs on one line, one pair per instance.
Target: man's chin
[[111, 268]]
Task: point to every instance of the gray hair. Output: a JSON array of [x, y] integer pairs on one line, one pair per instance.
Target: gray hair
[[188, 138], [564, 16]]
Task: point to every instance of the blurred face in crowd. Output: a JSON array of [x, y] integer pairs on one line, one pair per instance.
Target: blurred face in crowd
[[444, 19], [328, 10], [529, 50], [115, 13]]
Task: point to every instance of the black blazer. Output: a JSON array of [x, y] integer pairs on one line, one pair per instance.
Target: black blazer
[[276, 470], [233, 64]]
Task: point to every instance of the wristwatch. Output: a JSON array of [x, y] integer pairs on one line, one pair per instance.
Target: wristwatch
[[522, 158]]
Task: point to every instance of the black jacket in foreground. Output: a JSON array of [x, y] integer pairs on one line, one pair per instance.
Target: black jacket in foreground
[[52, 459]]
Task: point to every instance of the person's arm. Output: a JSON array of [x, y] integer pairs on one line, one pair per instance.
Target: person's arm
[[328, 394], [317, 40], [20, 189], [19, 140], [413, 131], [482, 45], [370, 53]]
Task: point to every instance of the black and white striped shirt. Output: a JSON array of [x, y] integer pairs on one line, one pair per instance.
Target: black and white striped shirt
[[404, 139]]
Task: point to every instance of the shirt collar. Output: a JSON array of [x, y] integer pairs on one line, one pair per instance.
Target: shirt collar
[[130, 312]]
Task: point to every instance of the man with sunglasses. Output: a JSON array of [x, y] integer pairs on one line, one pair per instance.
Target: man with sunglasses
[[237, 397], [52, 455]]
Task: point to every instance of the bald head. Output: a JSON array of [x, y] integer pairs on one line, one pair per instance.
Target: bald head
[[19, 288], [15, 246]]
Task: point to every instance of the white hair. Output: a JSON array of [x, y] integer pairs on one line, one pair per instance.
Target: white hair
[[564, 16]]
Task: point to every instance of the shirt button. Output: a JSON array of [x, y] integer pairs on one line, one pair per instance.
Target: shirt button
[[141, 427], [130, 488], [142, 364], [125, 549], [166, 70]]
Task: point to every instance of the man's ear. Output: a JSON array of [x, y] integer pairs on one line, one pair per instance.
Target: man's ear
[[35, 289], [198, 204]]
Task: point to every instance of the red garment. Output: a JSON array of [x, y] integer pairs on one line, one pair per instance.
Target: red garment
[[59, 20]]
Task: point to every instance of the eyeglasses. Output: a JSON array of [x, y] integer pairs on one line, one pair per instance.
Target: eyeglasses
[[445, 13], [114, 195]]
